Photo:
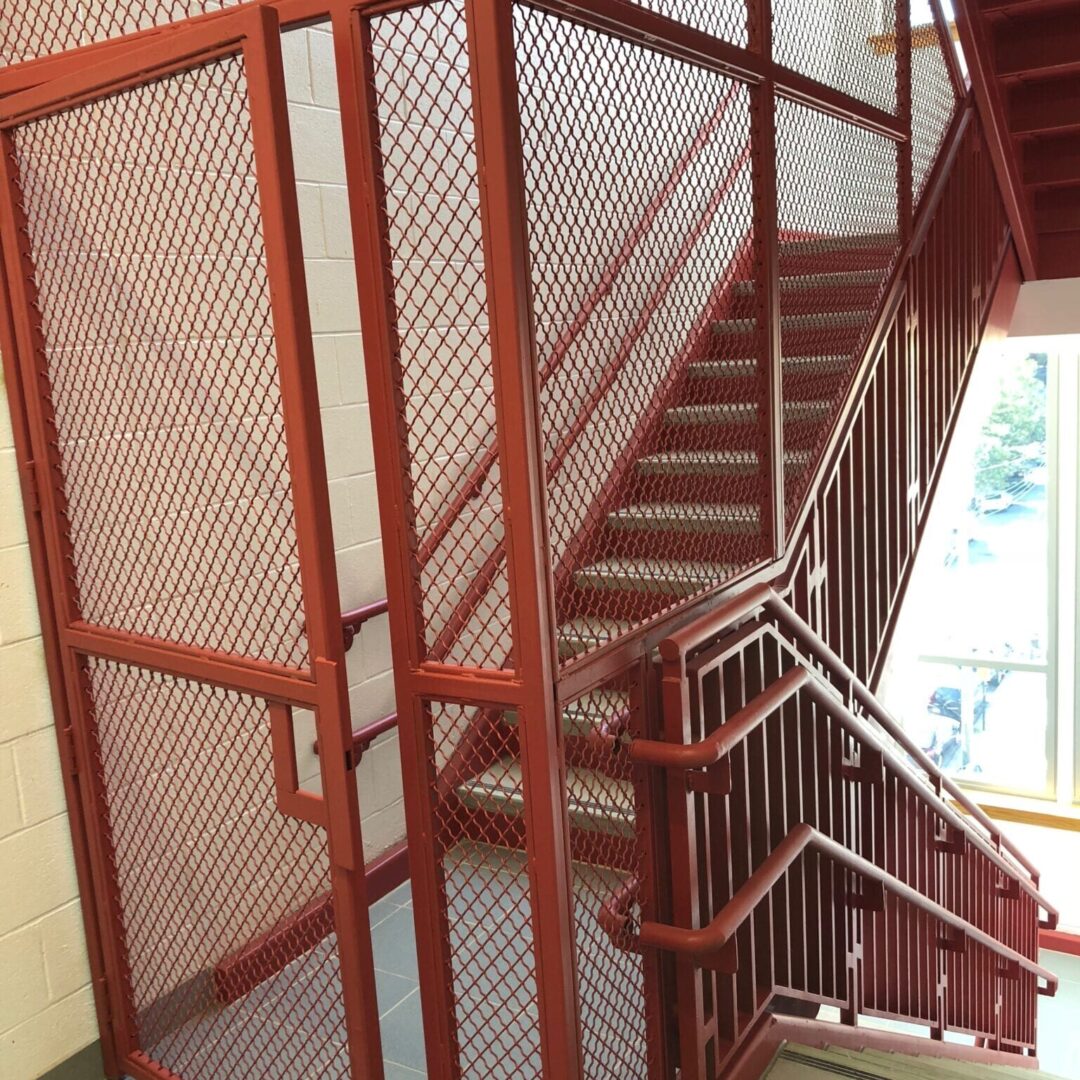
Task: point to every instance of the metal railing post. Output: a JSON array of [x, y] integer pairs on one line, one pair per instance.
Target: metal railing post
[[766, 277], [903, 112], [497, 121]]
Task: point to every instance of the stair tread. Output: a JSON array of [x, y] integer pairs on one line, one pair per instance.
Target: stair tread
[[687, 517], [747, 365], [887, 1064], [811, 320], [739, 412], [854, 242], [826, 279], [670, 576], [595, 801], [586, 714], [689, 462], [586, 632]]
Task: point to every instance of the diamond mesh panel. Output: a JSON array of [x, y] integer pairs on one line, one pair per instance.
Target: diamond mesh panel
[[205, 865], [639, 208], [933, 102], [607, 875], [33, 28], [725, 19], [833, 41], [487, 923], [837, 220], [432, 207], [153, 307]]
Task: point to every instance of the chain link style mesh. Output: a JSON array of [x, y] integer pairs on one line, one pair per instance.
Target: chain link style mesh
[[205, 865], [639, 207], [607, 874], [35, 28], [143, 222], [837, 44], [433, 211], [837, 220], [724, 19], [485, 902], [933, 103]]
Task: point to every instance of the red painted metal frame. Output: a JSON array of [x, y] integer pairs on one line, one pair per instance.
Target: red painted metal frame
[[80, 810], [979, 54], [533, 688], [253, 32]]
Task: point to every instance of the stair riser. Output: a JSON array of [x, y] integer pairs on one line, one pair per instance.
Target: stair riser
[[718, 548], [800, 341], [798, 435], [793, 264], [806, 301], [745, 484], [629, 604], [800, 384]]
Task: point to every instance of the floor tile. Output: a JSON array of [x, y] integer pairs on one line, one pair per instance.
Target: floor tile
[[392, 989], [394, 944], [403, 1034], [393, 1071]]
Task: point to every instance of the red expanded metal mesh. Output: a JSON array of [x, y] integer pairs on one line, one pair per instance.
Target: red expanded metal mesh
[[848, 46], [34, 28], [639, 210], [837, 216], [206, 866], [933, 103], [485, 903], [608, 875], [142, 218], [725, 19], [444, 351]]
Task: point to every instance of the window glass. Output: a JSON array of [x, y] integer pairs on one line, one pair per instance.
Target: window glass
[[967, 674]]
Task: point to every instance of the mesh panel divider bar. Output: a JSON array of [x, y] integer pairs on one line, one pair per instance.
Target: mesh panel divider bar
[[164, 343]]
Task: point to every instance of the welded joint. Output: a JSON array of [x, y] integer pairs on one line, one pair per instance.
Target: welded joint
[[950, 840], [952, 941], [715, 780], [1007, 887], [869, 897], [866, 766]]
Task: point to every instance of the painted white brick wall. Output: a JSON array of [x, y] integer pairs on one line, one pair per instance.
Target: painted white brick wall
[[46, 1006]]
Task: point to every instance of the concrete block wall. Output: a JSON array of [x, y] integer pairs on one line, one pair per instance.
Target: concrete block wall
[[46, 1006]]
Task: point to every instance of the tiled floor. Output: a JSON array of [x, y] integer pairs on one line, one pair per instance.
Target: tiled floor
[[403, 1041], [394, 945], [398, 992]]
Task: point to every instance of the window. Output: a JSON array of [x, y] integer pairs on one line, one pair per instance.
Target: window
[[981, 671]]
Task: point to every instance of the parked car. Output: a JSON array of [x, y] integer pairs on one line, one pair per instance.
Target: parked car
[[993, 504]]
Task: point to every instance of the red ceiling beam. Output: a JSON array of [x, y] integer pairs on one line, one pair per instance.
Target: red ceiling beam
[[979, 52]]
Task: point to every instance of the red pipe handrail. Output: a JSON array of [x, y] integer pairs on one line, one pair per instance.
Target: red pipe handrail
[[676, 646], [352, 621], [717, 938], [718, 744]]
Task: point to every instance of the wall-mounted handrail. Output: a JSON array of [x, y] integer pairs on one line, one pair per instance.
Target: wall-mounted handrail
[[352, 621], [763, 597], [555, 361], [485, 577], [715, 939]]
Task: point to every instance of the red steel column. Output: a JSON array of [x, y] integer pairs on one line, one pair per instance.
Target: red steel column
[[300, 407], [767, 276], [364, 172], [502, 205], [87, 873], [903, 112]]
